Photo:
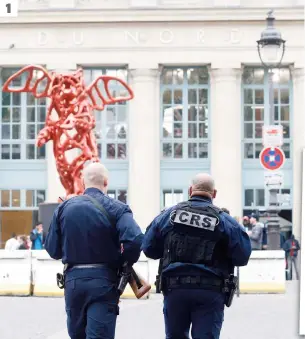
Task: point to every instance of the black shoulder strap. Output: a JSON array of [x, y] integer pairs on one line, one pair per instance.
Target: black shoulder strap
[[100, 207]]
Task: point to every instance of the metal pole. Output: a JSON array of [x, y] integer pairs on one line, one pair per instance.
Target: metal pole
[[274, 239]]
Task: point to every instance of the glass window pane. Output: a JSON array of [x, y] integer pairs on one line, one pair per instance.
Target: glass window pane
[[5, 151], [248, 151], [122, 134], [203, 150], [248, 96], [178, 96], [276, 113], [122, 151], [6, 131], [111, 151], [192, 150], [16, 151], [29, 198], [259, 114], [177, 196], [5, 198], [178, 150], [167, 150], [192, 130], [16, 129], [284, 76], [167, 77], [167, 97], [110, 113], [258, 149], [286, 150], [203, 74], [15, 198], [41, 152], [286, 130], [249, 197], [203, 113], [178, 114], [40, 197], [192, 76], [41, 114], [30, 99], [285, 113], [192, 113], [248, 113], [203, 130], [203, 96], [276, 96], [248, 130], [177, 130], [258, 130], [16, 114], [6, 98], [30, 151], [260, 197], [30, 114], [6, 114], [284, 96], [16, 99], [192, 96], [178, 76], [30, 131], [259, 96]]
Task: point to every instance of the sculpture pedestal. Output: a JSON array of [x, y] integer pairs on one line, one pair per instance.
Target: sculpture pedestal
[[46, 211]]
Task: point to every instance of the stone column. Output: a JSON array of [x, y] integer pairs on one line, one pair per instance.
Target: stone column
[[55, 188], [298, 142], [225, 120], [144, 145]]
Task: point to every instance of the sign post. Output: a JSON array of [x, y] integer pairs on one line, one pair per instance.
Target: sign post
[[272, 158]]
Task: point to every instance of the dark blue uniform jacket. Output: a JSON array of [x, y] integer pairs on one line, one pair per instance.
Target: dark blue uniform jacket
[[81, 234], [238, 251]]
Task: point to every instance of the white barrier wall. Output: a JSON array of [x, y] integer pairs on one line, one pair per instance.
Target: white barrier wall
[[44, 275], [15, 272], [19, 270], [265, 273]]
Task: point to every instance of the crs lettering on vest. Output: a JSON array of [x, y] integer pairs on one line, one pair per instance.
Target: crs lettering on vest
[[192, 219]]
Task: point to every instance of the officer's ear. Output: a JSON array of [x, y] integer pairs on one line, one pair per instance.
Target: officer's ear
[[190, 191], [214, 194], [105, 183]]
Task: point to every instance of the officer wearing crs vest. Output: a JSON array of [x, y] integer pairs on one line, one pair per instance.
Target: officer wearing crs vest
[[94, 244], [199, 245]]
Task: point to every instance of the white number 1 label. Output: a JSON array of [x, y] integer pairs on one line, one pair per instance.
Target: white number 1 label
[[8, 8]]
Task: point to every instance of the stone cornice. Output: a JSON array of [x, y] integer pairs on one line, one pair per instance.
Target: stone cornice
[[45, 15]]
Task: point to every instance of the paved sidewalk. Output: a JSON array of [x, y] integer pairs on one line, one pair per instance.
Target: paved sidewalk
[[250, 317]]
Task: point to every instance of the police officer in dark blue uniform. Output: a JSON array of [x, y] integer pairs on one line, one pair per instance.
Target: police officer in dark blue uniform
[[199, 245], [94, 235]]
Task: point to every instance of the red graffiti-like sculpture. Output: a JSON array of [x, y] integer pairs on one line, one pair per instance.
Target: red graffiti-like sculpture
[[69, 120]]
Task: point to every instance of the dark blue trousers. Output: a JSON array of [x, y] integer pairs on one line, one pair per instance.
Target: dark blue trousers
[[203, 309], [91, 298]]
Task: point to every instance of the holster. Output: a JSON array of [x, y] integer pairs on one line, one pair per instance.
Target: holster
[[158, 282], [230, 288], [61, 277]]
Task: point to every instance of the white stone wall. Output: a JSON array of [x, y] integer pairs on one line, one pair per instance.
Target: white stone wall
[[219, 33]]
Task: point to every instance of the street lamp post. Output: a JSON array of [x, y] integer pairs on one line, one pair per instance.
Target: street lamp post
[[271, 50]]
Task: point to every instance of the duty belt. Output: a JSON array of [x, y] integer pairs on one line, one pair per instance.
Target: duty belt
[[88, 266], [193, 282]]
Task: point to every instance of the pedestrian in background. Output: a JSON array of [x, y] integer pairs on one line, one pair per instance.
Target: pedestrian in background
[[291, 248], [36, 237], [199, 245]]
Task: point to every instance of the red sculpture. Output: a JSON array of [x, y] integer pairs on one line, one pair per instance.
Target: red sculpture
[[73, 124]]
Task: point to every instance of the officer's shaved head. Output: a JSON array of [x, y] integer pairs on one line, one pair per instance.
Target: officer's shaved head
[[203, 184], [96, 175]]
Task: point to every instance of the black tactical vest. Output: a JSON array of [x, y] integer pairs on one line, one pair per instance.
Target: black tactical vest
[[195, 237]]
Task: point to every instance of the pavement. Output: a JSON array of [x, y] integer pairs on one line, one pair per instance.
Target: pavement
[[267, 316]]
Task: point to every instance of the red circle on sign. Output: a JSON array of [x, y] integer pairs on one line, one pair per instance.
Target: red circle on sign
[[272, 158]]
